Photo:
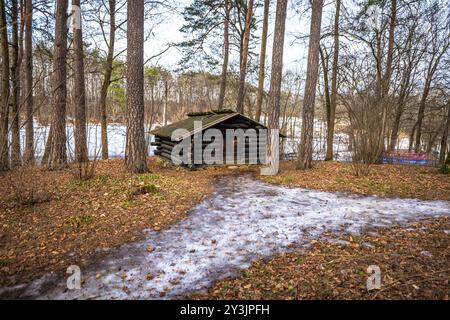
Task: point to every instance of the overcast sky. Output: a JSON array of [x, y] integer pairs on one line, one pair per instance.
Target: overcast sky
[[294, 53]]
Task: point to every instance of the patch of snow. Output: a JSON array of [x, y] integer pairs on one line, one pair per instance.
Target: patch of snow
[[368, 245], [245, 220], [339, 242], [426, 254]]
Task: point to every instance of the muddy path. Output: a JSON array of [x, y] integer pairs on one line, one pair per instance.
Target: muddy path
[[244, 221]]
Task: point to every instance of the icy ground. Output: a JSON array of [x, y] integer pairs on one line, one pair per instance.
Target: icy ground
[[243, 221]]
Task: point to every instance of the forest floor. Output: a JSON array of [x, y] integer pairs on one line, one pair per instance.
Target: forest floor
[[51, 219], [414, 263], [414, 260], [403, 181]]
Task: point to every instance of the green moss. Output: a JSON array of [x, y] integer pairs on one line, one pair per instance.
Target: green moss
[[104, 178], [247, 274], [11, 221], [4, 263], [80, 184], [126, 204], [142, 189], [77, 222], [293, 291], [275, 180], [326, 294], [151, 177], [227, 286], [152, 188], [207, 113], [288, 179]]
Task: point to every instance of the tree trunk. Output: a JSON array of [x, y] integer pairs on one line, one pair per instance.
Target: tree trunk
[[390, 55], [395, 128], [444, 141], [15, 67], [166, 94], [306, 143], [326, 83], [48, 146], [411, 137], [406, 79], [386, 79], [262, 61], [437, 51], [445, 169], [107, 79], [244, 58], [28, 84], [275, 86], [333, 100], [58, 149], [226, 54], [277, 65], [135, 155], [421, 115], [81, 152], [4, 90]]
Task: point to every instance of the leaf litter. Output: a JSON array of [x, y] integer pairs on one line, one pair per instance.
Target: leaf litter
[[244, 221]]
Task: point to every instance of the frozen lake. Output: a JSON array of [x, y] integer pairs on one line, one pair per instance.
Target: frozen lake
[[116, 140]]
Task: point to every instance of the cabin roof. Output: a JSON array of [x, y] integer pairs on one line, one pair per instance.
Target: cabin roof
[[208, 120]]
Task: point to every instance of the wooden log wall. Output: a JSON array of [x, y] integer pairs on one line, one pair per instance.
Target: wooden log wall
[[165, 146]]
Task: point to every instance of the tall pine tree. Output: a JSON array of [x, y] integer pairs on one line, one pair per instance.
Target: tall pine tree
[[135, 153], [58, 149], [307, 135]]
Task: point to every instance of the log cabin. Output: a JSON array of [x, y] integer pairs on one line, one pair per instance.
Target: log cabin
[[195, 132]]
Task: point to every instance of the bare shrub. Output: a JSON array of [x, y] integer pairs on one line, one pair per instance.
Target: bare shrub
[[86, 170], [367, 112], [365, 132], [28, 187]]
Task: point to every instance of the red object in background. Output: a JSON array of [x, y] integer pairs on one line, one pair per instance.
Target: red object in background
[[406, 158]]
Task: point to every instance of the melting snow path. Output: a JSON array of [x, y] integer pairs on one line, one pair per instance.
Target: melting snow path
[[244, 221]]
